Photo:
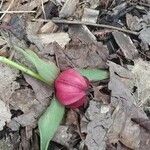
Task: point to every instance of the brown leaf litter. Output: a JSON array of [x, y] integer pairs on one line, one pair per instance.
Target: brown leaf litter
[[114, 119]]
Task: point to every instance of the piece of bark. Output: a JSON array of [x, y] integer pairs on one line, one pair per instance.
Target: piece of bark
[[81, 32], [61, 38], [30, 5], [68, 8], [90, 15], [49, 27], [126, 45]]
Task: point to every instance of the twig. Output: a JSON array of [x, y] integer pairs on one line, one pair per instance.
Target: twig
[[87, 23], [21, 68], [144, 4], [16, 12], [43, 9], [2, 1], [139, 3], [11, 3]]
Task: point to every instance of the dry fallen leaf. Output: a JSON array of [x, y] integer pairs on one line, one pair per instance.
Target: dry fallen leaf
[[42, 40], [124, 103], [97, 127], [8, 84], [141, 71], [82, 55], [5, 114]]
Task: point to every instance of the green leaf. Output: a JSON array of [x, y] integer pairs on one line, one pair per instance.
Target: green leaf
[[49, 122], [47, 70], [94, 74], [21, 68]]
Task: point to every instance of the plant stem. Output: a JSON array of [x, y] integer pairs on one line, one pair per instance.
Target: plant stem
[[21, 68]]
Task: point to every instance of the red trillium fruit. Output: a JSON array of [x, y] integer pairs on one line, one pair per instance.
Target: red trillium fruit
[[71, 88]]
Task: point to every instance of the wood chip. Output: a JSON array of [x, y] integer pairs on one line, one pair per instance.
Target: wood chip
[[61, 38], [126, 45], [82, 33], [90, 15], [49, 27], [68, 8]]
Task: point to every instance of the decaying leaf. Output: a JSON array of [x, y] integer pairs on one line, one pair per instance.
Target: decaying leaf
[[8, 84], [82, 55], [62, 136], [68, 8], [90, 15], [126, 45], [5, 114], [141, 71], [82, 33], [124, 102], [61, 38], [42, 40], [41, 90], [97, 127], [23, 99]]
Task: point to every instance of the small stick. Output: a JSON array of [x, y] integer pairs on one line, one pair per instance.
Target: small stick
[[9, 7], [42, 3], [16, 12], [2, 1], [87, 23]]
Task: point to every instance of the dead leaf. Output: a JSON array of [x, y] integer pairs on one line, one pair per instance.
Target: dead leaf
[[126, 45], [18, 26], [8, 84], [5, 114], [82, 33], [61, 38], [49, 27], [90, 15], [82, 55], [22, 99], [72, 118], [31, 5], [141, 71], [68, 8], [99, 96], [42, 91], [96, 130], [63, 136], [123, 129], [145, 35], [31, 102], [133, 22], [94, 3], [42, 40]]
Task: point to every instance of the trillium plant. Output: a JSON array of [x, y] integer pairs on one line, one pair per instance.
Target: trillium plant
[[71, 89]]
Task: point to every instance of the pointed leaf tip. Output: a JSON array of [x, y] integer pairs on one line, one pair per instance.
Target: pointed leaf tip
[[49, 122]]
